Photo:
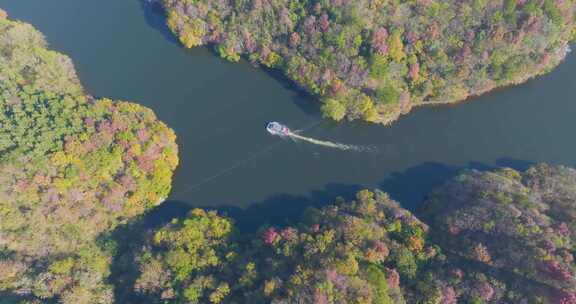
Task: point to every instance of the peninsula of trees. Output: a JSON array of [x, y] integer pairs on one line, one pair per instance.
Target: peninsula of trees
[[377, 59], [73, 167]]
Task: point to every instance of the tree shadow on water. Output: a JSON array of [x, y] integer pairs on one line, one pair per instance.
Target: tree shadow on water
[[155, 17], [285, 209], [308, 103], [513, 163], [409, 187], [278, 209]]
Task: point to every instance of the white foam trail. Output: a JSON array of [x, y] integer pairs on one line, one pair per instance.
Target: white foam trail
[[330, 144]]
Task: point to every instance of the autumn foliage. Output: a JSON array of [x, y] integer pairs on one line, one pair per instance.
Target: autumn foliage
[[73, 167], [419, 52], [493, 237], [518, 225]]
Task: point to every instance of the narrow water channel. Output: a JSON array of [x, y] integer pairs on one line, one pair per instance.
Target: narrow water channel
[[218, 109]]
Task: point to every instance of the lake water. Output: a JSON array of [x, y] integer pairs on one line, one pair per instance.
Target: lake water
[[218, 109]]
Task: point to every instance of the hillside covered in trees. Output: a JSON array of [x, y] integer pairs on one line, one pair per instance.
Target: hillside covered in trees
[[492, 237], [519, 227], [73, 167], [376, 59]]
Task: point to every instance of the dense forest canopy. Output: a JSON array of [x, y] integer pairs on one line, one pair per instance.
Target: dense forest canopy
[[73, 167], [351, 252], [492, 237], [376, 59], [518, 226], [76, 167]]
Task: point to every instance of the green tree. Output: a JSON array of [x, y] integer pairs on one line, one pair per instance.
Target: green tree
[[377, 278], [333, 109]]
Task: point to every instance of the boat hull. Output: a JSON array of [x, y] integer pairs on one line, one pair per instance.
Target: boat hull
[[276, 128]]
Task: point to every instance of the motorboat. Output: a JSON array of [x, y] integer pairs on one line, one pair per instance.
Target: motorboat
[[276, 128]]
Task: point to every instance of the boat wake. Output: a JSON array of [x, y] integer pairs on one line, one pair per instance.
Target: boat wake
[[282, 131], [278, 129], [331, 144]]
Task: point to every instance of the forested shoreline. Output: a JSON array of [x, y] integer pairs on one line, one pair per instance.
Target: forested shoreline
[[485, 237], [73, 168], [78, 174], [375, 60]]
